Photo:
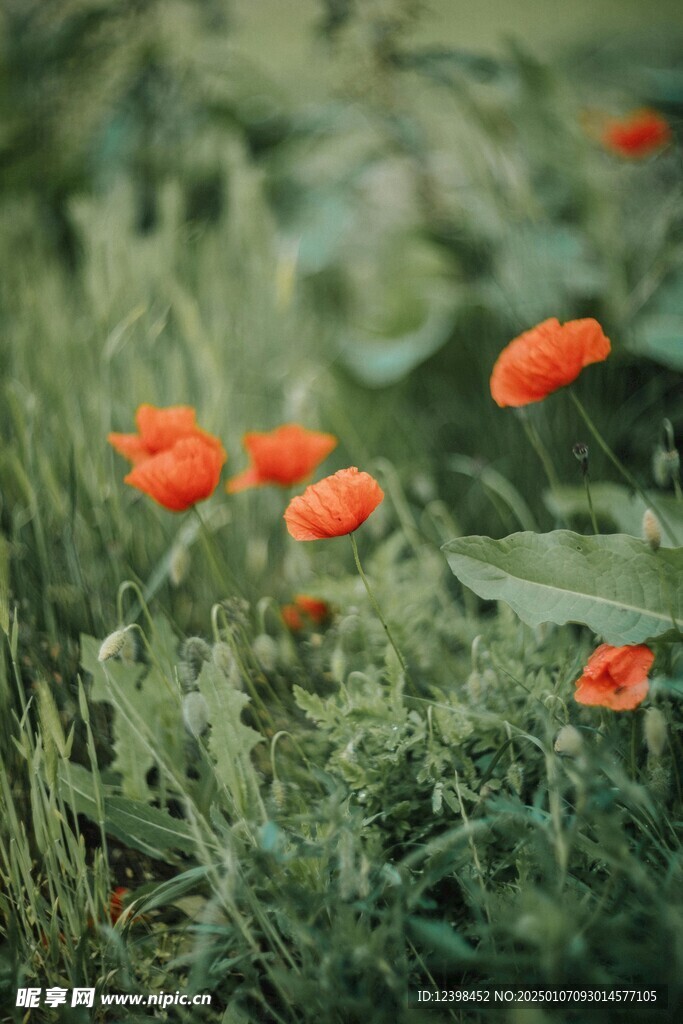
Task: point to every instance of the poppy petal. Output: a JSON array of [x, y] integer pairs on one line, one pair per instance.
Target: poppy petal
[[181, 476], [333, 507], [546, 358]]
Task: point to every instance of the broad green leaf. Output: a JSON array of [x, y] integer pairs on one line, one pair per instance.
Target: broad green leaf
[[658, 331], [134, 822], [378, 363], [616, 585], [617, 505]]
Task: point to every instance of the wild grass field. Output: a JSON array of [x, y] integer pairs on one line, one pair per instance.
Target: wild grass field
[[437, 749]]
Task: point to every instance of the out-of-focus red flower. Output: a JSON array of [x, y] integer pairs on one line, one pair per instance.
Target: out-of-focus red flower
[[637, 135], [292, 618], [182, 475], [615, 677], [333, 507], [117, 902], [158, 430], [546, 358], [284, 456], [305, 611]]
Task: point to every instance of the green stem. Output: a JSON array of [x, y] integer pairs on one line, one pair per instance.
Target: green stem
[[630, 479], [590, 504], [541, 451], [221, 574], [375, 605]]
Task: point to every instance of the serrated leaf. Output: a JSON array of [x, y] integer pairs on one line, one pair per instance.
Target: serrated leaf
[[616, 585], [617, 505], [133, 822], [230, 740], [147, 709]]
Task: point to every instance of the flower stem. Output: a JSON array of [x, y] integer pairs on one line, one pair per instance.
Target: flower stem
[[222, 575], [590, 504], [375, 605], [630, 479], [541, 451]]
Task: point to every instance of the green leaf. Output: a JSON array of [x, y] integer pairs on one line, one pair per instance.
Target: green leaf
[[616, 505], [147, 704], [658, 331], [230, 740], [440, 938], [615, 585], [134, 822], [377, 363]]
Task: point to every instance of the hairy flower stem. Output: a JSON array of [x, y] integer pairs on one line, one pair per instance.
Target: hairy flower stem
[[375, 605], [630, 479]]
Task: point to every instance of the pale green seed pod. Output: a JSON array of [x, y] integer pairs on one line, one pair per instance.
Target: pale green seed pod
[[116, 644], [195, 713], [265, 651], [569, 741], [655, 731]]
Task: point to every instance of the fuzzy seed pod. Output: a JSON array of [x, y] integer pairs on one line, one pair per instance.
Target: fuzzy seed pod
[[568, 741], [474, 687], [265, 650], [115, 644], [195, 713], [666, 465], [655, 731], [279, 794], [179, 564], [194, 652], [225, 661], [652, 530]]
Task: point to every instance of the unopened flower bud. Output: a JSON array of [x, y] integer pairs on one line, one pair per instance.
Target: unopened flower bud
[[666, 465], [652, 530], [265, 649], [655, 731], [568, 741], [225, 661], [195, 713], [179, 564], [580, 452], [117, 644]]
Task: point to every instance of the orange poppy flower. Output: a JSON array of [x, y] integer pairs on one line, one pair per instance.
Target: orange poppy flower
[[182, 475], [158, 430], [284, 456], [615, 677], [333, 507], [546, 358], [305, 610], [637, 135]]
